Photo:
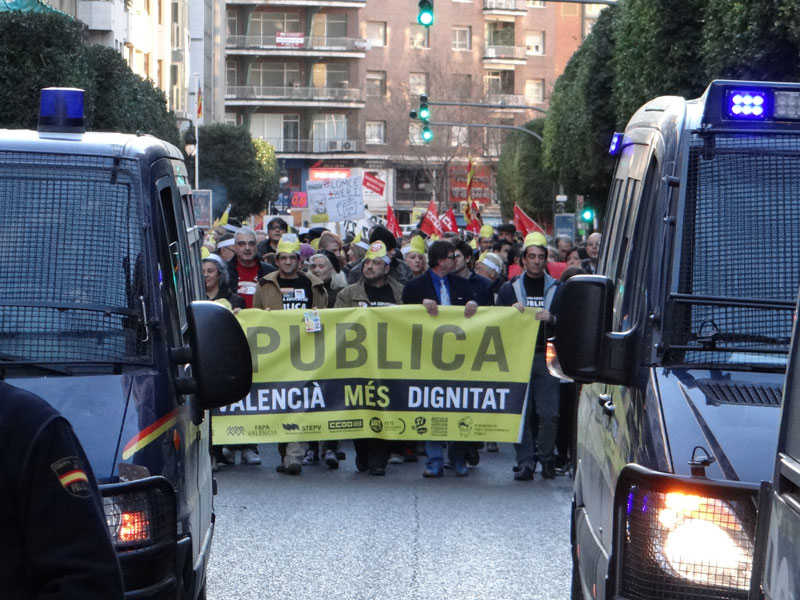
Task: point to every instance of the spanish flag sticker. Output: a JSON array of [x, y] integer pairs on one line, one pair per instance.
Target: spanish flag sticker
[[71, 476]]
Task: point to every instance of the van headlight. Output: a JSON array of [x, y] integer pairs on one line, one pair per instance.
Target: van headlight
[[686, 542]]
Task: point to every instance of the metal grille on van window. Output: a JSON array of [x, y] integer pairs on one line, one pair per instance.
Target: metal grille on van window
[[741, 393], [739, 244], [72, 259]]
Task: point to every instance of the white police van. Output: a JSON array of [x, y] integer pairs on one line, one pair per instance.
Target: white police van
[[99, 281]]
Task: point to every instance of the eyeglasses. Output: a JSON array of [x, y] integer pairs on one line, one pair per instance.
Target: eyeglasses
[[243, 243]]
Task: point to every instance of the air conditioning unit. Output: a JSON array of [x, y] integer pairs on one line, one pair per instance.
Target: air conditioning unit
[[348, 145], [334, 145]]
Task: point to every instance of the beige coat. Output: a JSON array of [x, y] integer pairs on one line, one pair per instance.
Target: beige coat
[[268, 294], [356, 295]]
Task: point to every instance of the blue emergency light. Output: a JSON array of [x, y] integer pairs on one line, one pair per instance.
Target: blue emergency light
[[616, 144], [748, 104], [61, 110]]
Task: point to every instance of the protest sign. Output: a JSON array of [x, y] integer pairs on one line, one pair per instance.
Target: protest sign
[[392, 373], [333, 200]]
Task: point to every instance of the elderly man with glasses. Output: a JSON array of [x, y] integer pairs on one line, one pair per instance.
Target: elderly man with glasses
[[244, 268]]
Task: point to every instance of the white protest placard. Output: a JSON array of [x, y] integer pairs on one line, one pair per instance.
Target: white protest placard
[[336, 199]]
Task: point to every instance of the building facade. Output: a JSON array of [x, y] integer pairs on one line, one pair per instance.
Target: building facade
[[330, 84]]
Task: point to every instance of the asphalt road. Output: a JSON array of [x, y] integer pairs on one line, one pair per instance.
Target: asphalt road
[[330, 535]]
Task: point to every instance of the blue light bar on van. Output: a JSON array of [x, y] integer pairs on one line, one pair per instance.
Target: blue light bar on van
[[616, 143], [747, 104], [787, 106], [61, 110]]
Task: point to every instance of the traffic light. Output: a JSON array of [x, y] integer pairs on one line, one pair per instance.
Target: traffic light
[[424, 112], [425, 15], [427, 134], [587, 215]]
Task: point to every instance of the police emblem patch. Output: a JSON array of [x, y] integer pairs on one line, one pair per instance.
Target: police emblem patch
[[71, 476]]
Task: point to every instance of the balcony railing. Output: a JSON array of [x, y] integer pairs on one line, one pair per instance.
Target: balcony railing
[[515, 5], [316, 145], [511, 52], [507, 99], [257, 92], [272, 42]]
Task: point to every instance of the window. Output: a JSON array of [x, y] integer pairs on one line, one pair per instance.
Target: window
[[534, 43], [417, 83], [535, 4], [376, 33], [415, 134], [462, 86], [268, 24], [420, 37], [233, 23], [500, 33], [160, 73], [376, 132], [147, 65], [499, 82], [279, 75], [329, 132], [459, 136], [534, 90], [376, 84], [279, 130], [462, 38], [159, 9], [332, 75], [230, 119], [231, 73]]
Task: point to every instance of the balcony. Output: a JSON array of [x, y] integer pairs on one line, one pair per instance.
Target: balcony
[[296, 45], [514, 55], [306, 3], [514, 8], [316, 146], [510, 100], [330, 97]]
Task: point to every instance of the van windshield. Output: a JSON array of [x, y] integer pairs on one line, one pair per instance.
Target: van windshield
[[739, 258], [71, 261]]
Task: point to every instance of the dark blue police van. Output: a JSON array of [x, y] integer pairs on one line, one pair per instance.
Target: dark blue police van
[[681, 342], [99, 277]]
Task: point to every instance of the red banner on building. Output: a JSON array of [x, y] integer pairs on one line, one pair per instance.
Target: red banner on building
[[477, 187], [373, 184]]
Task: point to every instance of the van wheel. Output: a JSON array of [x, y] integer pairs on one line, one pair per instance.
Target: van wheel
[[577, 588]]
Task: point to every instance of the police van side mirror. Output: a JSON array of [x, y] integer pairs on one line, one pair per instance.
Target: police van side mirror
[[222, 370], [587, 349]]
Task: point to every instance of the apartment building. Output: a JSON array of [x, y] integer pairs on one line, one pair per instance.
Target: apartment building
[[330, 84]]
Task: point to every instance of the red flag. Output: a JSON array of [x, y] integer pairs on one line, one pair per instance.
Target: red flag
[[523, 223], [448, 221], [392, 224], [474, 226], [430, 222]]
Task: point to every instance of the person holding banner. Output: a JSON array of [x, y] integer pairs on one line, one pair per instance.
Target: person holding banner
[[286, 289], [434, 287], [398, 270], [534, 289], [376, 288], [245, 269]]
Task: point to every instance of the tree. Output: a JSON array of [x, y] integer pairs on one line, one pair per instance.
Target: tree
[[265, 155], [757, 41], [124, 101], [38, 50], [658, 52], [522, 178], [227, 157], [582, 119]]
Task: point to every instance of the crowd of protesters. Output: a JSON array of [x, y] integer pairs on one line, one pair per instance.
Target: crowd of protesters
[[315, 268]]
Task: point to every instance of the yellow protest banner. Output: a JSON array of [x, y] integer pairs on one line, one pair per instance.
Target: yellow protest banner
[[391, 372]]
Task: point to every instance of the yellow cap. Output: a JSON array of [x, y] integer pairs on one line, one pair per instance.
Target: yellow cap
[[417, 244], [289, 244], [487, 231], [473, 244], [377, 250], [204, 252], [315, 243], [534, 239]]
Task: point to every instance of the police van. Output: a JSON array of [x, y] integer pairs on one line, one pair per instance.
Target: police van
[[681, 342], [99, 277]]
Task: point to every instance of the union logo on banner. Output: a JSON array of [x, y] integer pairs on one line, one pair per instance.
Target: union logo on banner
[[373, 184]]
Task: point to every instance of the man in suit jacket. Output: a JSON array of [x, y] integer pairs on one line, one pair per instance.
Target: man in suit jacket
[[438, 286]]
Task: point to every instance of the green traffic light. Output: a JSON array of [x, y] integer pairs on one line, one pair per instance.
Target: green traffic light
[[425, 16], [427, 134], [424, 112], [587, 215]]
